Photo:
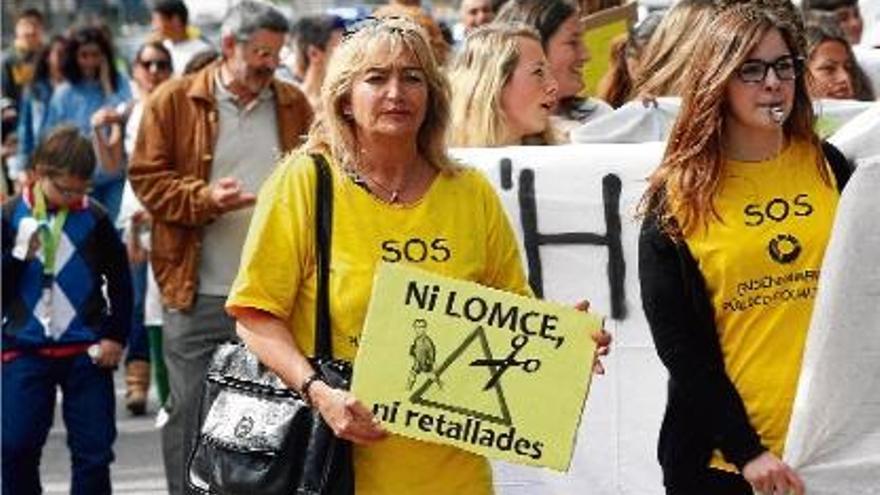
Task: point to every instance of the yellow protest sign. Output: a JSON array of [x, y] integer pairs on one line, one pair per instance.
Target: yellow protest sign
[[494, 373]]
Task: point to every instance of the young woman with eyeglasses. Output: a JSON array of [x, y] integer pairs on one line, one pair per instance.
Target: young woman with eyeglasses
[[736, 221]]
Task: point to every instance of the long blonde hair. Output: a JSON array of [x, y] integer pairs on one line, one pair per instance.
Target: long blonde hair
[[671, 48], [682, 189], [334, 132], [478, 75]]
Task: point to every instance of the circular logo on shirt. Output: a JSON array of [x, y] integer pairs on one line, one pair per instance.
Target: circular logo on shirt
[[784, 248]]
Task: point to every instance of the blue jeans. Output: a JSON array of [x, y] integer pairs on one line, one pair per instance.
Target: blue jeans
[[138, 340], [88, 407], [108, 190]]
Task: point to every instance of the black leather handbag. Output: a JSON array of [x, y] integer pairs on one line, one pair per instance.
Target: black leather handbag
[[258, 437]]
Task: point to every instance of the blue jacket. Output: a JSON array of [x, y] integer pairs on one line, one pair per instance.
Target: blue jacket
[[75, 103], [32, 113]]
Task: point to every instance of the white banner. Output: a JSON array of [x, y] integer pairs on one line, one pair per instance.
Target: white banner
[[574, 210], [636, 122], [834, 436]]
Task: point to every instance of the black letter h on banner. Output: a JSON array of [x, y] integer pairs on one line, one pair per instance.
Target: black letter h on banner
[[533, 240]]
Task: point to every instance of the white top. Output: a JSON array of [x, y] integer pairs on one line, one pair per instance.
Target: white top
[[129, 206], [586, 110], [183, 51]]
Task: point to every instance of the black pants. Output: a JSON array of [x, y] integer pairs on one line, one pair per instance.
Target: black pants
[[714, 482]]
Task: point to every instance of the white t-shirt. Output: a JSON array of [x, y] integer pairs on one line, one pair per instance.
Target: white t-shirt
[[183, 51]]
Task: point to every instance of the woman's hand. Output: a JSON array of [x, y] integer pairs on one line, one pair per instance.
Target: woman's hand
[[34, 245], [105, 116], [769, 475], [348, 417], [602, 339]]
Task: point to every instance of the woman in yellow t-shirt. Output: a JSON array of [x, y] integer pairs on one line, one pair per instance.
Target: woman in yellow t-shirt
[[397, 197], [737, 217]]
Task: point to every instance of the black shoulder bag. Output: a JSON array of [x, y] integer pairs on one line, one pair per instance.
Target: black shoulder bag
[[256, 436]]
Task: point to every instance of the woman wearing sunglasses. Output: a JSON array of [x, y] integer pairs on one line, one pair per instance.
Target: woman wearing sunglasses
[[151, 67], [737, 218]]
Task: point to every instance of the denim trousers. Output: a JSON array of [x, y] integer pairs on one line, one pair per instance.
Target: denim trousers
[[138, 341], [30, 384]]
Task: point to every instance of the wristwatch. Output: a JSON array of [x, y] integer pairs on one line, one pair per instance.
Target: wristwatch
[[304, 389]]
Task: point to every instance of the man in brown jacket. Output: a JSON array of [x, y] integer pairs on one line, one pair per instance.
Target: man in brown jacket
[[206, 143]]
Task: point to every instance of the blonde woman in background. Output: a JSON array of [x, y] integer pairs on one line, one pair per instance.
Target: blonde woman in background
[[503, 91], [559, 25]]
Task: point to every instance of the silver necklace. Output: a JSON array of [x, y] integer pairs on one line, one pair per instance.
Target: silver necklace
[[393, 194]]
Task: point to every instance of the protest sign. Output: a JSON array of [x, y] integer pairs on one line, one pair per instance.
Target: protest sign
[[454, 362]]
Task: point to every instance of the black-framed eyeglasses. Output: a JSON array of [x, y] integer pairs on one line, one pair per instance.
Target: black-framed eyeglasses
[[156, 65], [786, 68], [70, 193]]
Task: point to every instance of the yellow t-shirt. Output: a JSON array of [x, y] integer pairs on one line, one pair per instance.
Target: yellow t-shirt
[[457, 229], [761, 265]]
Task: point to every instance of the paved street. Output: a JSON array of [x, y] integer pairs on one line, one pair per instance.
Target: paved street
[[138, 466]]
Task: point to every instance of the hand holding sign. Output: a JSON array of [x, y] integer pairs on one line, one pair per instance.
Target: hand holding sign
[[600, 337]]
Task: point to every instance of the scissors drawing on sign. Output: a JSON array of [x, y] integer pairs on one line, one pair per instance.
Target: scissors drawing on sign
[[528, 365]]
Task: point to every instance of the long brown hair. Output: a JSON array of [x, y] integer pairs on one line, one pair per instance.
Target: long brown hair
[[681, 191]]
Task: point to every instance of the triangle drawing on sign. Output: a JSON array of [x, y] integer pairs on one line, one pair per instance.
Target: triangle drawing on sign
[[476, 338]]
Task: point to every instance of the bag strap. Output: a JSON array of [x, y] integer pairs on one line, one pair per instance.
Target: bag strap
[[840, 166], [323, 239]]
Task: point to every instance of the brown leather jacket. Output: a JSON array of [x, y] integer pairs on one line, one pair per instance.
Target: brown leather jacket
[[171, 166]]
